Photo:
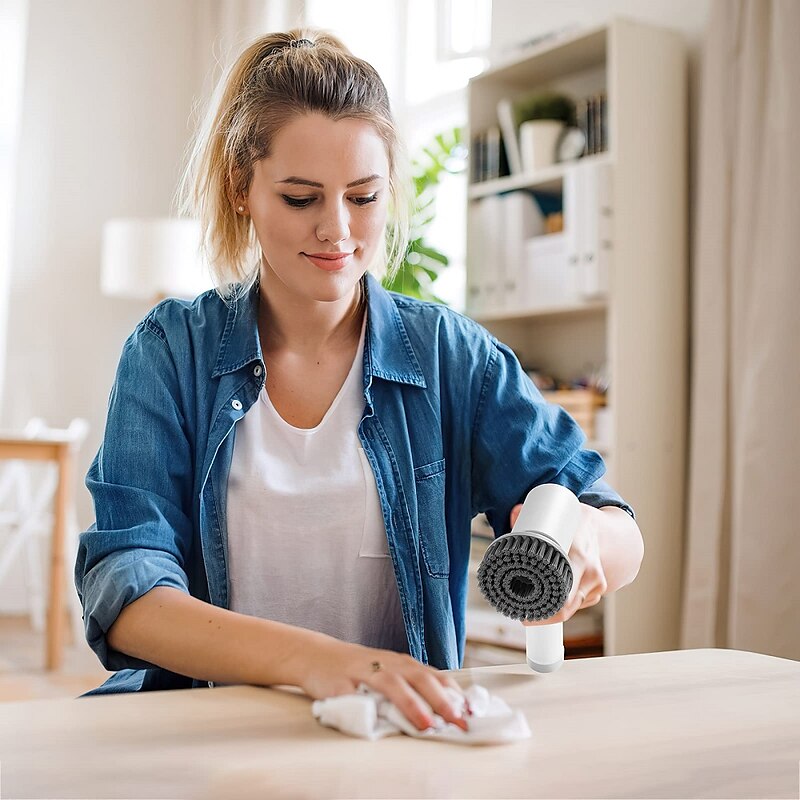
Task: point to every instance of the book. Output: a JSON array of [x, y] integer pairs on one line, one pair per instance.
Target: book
[[592, 114], [476, 157], [508, 127], [596, 126], [487, 156], [492, 164], [603, 123]]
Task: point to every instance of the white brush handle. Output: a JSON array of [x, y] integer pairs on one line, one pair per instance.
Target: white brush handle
[[554, 512], [544, 646]]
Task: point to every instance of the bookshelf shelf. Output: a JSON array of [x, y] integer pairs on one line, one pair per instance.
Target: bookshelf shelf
[[548, 312], [632, 322], [547, 180]]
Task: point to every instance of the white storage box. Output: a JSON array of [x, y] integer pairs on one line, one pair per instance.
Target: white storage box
[[549, 277]]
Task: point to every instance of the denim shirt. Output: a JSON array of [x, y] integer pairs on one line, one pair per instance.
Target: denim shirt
[[452, 427]]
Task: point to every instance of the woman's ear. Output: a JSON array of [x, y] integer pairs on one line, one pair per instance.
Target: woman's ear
[[239, 203], [237, 197]]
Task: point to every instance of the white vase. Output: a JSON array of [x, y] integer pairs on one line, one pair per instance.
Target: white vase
[[538, 139]]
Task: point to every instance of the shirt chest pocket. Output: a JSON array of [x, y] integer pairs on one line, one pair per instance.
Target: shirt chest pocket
[[429, 481]]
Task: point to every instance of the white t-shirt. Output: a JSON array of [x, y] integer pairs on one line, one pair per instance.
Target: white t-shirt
[[306, 536]]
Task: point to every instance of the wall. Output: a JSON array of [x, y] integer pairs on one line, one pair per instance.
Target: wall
[[107, 96], [518, 21]]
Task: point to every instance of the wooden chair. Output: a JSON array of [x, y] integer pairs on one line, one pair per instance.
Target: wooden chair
[[29, 509]]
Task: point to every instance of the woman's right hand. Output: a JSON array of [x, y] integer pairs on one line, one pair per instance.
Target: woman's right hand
[[336, 668]]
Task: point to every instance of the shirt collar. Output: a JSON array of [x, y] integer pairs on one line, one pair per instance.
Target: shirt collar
[[388, 353]]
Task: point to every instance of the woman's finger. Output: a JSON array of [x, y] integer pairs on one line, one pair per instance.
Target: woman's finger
[[418, 691], [395, 689], [453, 684], [433, 692]]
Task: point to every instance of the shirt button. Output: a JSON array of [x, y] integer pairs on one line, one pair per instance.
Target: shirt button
[[236, 404], [257, 371]]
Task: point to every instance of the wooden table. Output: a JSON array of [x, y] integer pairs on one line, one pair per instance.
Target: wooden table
[[60, 450], [694, 723]]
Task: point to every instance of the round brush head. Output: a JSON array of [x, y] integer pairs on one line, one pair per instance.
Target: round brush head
[[525, 576]]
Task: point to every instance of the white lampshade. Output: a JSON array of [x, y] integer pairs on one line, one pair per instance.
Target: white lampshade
[[149, 259]]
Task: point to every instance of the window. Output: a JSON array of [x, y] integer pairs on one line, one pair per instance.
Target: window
[[436, 78]]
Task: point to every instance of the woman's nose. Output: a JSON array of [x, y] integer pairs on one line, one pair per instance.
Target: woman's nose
[[334, 226]]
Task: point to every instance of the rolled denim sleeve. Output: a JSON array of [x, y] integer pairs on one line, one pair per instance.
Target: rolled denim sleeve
[[520, 441], [140, 483], [600, 494]]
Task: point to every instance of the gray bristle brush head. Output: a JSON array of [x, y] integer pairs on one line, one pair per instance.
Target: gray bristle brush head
[[525, 577]]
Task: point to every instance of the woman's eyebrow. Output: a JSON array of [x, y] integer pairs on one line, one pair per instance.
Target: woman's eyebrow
[[293, 179]]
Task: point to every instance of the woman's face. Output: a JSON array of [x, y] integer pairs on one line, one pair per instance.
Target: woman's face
[[319, 205]]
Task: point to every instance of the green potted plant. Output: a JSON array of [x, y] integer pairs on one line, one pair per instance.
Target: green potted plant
[[423, 264], [542, 119]]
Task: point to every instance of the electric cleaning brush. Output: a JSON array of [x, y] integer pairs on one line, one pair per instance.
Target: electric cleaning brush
[[526, 574]]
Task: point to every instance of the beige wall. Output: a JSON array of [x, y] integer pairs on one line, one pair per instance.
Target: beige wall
[[107, 96], [516, 21]]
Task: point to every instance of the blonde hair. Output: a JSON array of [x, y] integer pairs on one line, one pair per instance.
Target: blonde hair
[[278, 77]]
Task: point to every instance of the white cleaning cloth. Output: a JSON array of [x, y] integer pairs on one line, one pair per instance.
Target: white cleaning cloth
[[370, 715]]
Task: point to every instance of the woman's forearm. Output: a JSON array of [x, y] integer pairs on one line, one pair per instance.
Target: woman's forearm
[[621, 546], [185, 635]]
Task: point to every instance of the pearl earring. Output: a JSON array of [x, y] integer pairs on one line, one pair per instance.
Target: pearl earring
[[241, 208]]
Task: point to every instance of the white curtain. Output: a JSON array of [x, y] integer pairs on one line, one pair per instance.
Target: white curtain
[[742, 585], [13, 22]]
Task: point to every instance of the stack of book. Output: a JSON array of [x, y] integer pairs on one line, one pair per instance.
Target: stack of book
[[487, 156], [593, 121]]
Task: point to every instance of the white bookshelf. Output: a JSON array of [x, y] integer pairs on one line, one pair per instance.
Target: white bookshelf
[[638, 328]]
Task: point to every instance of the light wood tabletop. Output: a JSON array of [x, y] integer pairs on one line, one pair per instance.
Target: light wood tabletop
[[693, 723]]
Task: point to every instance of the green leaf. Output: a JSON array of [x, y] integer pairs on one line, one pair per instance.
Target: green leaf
[[423, 264]]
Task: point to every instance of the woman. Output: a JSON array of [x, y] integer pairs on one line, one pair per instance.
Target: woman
[[291, 464]]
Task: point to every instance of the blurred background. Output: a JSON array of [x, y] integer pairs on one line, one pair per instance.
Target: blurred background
[[607, 185]]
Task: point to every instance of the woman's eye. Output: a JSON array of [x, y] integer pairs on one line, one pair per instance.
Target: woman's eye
[[297, 202], [366, 199], [303, 202]]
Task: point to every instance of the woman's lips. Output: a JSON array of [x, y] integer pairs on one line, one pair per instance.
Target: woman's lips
[[330, 262]]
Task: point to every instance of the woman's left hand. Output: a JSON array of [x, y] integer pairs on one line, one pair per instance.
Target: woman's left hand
[[588, 578]]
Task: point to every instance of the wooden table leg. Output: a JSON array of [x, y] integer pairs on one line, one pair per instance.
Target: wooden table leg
[[55, 610]]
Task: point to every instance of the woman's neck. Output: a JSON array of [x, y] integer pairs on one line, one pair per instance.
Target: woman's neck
[[303, 326]]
